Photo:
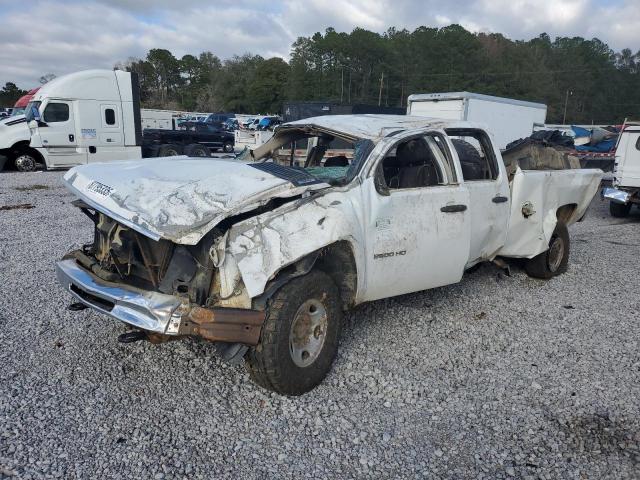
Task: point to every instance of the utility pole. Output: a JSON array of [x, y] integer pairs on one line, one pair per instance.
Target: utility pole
[[380, 93], [386, 101], [566, 101], [341, 84]]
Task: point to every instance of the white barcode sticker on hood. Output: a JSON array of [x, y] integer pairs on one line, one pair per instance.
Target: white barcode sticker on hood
[[100, 188]]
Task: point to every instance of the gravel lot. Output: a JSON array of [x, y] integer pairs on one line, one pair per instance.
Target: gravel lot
[[495, 377]]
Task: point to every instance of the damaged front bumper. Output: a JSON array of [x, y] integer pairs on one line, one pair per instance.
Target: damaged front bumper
[[615, 195], [158, 313]]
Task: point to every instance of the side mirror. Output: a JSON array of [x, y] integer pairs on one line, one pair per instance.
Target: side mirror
[[35, 113], [380, 182]]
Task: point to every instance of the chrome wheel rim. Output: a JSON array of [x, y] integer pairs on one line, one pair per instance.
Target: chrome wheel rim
[[556, 252], [308, 333], [25, 163], [228, 148]]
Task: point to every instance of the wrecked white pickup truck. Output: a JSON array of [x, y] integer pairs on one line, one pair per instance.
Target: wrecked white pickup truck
[[263, 256]]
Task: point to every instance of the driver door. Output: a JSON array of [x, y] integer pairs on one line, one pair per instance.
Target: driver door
[[56, 134], [418, 225]]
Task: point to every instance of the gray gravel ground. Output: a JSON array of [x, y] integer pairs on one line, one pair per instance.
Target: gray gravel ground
[[495, 377]]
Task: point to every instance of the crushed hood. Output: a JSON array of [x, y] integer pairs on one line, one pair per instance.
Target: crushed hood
[[176, 198]]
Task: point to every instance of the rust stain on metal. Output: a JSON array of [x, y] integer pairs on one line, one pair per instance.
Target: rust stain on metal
[[224, 324]]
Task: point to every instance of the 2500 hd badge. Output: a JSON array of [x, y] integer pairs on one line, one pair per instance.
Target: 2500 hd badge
[[400, 253]]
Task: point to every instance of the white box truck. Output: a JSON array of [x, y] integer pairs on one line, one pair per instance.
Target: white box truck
[[506, 118]]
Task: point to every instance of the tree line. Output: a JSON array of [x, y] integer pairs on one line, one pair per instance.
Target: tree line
[[584, 80]]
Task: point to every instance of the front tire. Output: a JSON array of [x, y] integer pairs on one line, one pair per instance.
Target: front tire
[[25, 162], [299, 338], [555, 260], [619, 210]]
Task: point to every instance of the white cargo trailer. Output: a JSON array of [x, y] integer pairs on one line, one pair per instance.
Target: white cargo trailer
[[508, 119]]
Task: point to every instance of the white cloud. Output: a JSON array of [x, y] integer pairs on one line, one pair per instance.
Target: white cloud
[[59, 36]]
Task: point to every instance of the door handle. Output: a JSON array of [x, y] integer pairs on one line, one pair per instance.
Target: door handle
[[500, 199], [453, 208], [71, 137]]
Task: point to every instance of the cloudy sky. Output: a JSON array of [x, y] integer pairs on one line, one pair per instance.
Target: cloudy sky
[[61, 36]]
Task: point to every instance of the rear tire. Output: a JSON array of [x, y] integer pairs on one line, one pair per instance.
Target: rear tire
[[619, 210], [553, 261], [169, 150], [299, 338], [196, 150]]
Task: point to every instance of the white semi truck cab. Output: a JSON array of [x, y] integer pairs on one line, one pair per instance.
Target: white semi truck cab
[[108, 102], [625, 189]]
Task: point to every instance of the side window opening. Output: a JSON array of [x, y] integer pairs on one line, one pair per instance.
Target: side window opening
[[110, 116], [414, 163], [56, 112], [476, 155]]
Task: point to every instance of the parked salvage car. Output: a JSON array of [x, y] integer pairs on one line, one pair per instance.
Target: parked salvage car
[[263, 257]]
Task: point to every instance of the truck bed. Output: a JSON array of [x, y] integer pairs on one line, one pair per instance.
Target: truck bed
[[536, 198]]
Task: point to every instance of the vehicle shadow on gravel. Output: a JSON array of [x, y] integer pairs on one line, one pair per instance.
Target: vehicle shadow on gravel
[[435, 301], [599, 434]]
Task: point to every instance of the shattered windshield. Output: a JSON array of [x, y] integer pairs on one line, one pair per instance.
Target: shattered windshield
[[327, 157]]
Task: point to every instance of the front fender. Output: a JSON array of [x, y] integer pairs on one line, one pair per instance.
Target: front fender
[[261, 246]]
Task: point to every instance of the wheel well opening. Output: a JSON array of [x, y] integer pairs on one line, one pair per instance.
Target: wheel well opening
[[337, 261], [565, 213], [23, 147]]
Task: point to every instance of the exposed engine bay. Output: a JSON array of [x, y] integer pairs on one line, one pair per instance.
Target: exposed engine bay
[[120, 254]]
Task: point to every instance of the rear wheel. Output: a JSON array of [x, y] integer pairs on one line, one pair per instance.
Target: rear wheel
[[25, 162], [619, 210], [196, 150], [228, 147], [553, 261], [169, 150], [299, 338]]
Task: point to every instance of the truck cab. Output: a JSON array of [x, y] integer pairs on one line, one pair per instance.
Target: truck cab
[[106, 101], [625, 189]]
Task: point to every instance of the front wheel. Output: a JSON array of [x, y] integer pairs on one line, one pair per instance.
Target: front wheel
[[553, 261], [228, 147], [299, 338], [619, 210], [25, 162]]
